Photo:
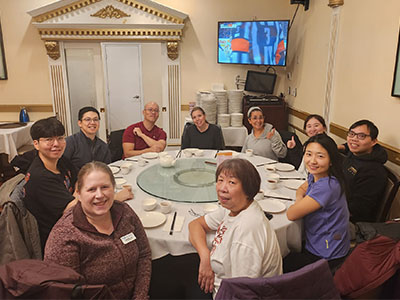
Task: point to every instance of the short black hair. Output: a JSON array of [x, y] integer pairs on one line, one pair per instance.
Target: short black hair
[[45, 128], [245, 172], [85, 109], [373, 130]]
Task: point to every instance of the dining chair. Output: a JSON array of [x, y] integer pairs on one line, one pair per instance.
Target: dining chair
[[313, 281], [115, 144], [389, 195]]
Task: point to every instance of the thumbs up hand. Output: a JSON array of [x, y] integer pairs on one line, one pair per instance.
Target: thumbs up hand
[[291, 143]]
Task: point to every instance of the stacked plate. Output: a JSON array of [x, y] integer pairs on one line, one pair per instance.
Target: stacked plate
[[237, 120], [210, 108], [222, 101], [235, 101], [200, 95], [224, 120]]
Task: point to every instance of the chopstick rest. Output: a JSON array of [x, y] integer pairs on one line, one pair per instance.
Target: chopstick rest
[[179, 221]]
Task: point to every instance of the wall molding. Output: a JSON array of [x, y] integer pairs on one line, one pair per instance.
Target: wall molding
[[29, 107], [341, 131]]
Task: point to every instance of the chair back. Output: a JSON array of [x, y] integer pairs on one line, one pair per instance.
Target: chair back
[[394, 211], [391, 190], [115, 144], [313, 281]]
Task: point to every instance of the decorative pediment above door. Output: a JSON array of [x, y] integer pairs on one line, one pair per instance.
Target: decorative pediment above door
[[108, 20]]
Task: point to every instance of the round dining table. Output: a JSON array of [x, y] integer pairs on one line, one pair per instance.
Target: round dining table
[[190, 186]]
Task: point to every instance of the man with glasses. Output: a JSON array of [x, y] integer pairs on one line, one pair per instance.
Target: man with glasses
[[364, 172], [84, 146], [50, 179], [144, 136]]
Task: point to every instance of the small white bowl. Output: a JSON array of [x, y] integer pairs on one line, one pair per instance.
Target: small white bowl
[[259, 196], [126, 167], [119, 182], [199, 152], [149, 203], [273, 176], [209, 207]]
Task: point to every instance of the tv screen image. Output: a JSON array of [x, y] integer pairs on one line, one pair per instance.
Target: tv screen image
[[260, 82], [253, 42]]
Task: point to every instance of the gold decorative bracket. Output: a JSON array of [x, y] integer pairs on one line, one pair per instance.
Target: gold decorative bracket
[[335, 3], [53, 49], [172, 50], [110, 12]]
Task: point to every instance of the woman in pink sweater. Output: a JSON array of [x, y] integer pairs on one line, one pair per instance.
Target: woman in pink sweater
[[102, 239]]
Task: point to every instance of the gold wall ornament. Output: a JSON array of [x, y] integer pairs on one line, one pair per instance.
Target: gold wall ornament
[[335, 3], [53, 49], [172, 50], [110, 12]]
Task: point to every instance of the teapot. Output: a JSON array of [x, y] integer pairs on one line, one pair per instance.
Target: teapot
[[167, 161]]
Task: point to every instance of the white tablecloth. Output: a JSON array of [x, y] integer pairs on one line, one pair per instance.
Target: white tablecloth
[[161, 243], [234, 136], [13, 138]]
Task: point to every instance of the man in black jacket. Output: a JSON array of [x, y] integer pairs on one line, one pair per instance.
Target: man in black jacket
[[365, 174]]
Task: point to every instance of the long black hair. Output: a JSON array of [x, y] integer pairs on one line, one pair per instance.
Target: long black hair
[[336, 159]]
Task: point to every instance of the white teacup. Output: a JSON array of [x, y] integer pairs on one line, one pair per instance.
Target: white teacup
[[273, 176], [126, 167], [259, 196], [141, 162], [165, 206], [249, 152], [272, 183], [187, 153], [162, 154]]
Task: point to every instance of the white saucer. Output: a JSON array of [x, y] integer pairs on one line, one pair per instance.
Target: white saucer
[[152, 219], [293, 184], [272, 206], [284, 167], [150, 155], [114, 170]]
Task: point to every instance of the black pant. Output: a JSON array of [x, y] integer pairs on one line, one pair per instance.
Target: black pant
[[175, 277]]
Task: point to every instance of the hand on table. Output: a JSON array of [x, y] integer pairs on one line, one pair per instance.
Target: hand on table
[[206, 276], [271, 133], [291, 143], [124, 194]]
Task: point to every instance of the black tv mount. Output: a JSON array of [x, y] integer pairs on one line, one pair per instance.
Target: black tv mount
[[306, 3]]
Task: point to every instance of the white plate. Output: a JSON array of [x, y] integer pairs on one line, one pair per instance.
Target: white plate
[[114, 170], [284, 167], [272, 206], [152, 219], [150, 155], [293, 184]]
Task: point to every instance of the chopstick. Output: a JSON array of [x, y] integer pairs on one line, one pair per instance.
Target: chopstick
[[135, 160], [281, 198], [216, 153], [210, 162], [294, 178], [114, 166], [267, 163], [178, 154], [171, 231]]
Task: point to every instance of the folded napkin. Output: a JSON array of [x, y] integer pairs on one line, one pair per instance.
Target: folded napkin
[[178, 223]]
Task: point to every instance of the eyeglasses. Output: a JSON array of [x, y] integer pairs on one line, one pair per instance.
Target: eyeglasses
[[50, 140], [88, 120], [151, 110], [360, 135]]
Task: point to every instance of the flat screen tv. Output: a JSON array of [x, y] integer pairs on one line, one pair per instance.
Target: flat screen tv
[[260, 82], [253, 42]]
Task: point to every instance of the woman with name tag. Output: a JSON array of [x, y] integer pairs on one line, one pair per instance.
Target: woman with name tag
[[263, 139], [102, 239], [321, 203]]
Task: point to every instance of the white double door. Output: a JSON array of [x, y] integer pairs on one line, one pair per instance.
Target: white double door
[[107, 76]]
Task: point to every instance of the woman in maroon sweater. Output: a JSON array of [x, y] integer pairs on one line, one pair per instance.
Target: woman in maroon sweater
[[101, 239]]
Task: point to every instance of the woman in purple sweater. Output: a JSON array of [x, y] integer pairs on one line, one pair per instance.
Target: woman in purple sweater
[[102, 239]]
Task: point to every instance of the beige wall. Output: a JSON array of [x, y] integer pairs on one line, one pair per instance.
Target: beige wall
[[365, 56], [28, 77]]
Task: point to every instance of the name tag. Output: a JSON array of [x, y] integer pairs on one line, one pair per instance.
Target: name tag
[[128, 238]]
